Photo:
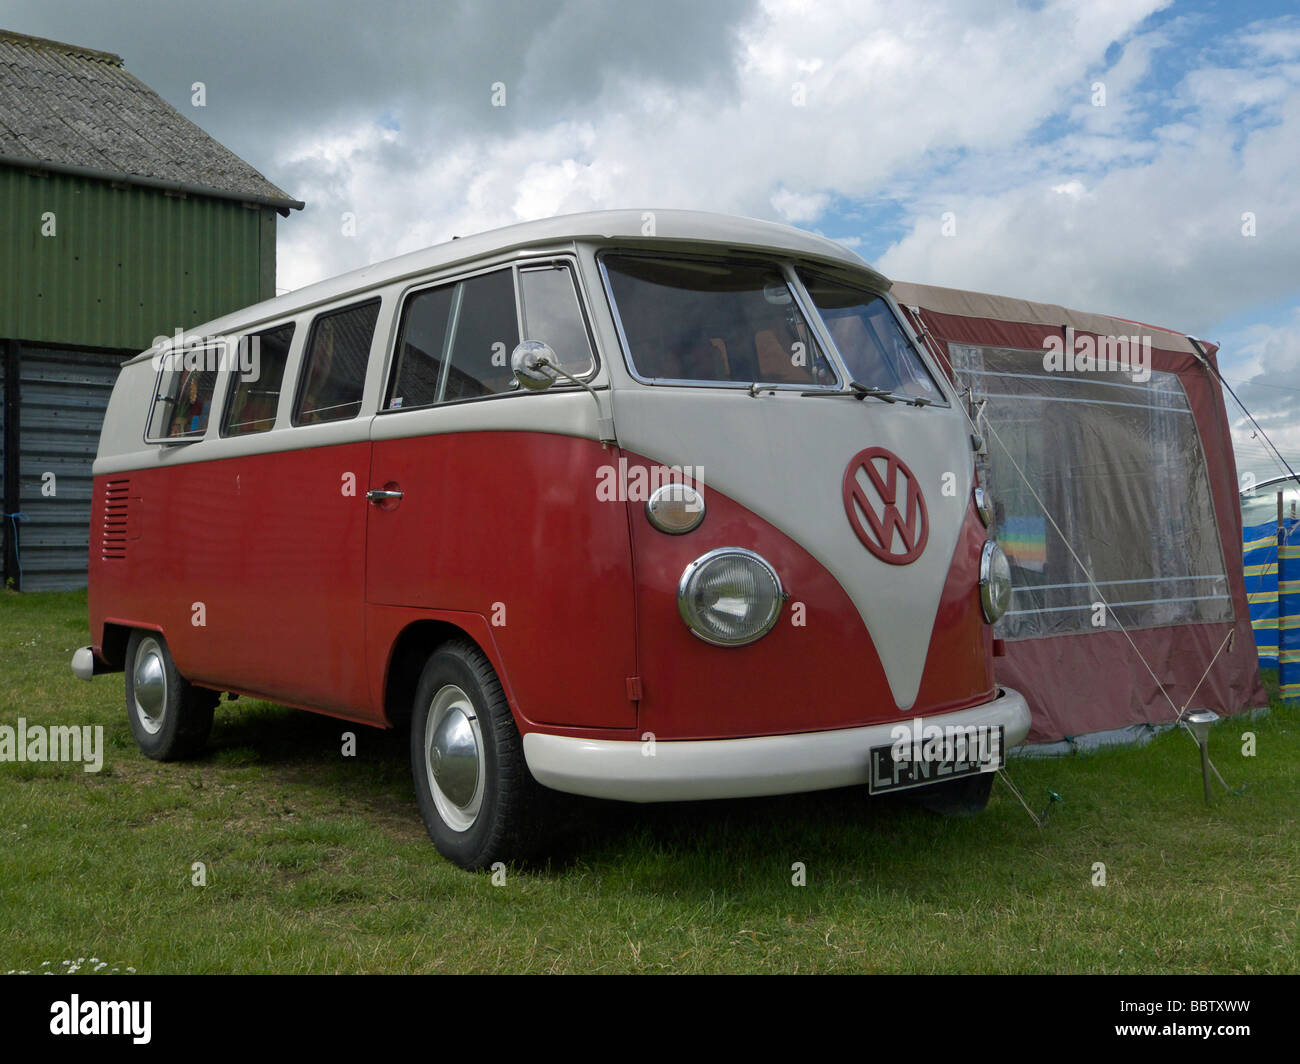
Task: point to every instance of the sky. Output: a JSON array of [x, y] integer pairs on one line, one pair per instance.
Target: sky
[[1131, 157]]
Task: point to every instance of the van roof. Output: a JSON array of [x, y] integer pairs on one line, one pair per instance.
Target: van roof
[[699, 228]]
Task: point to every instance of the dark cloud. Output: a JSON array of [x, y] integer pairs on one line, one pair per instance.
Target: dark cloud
[[274, 70]]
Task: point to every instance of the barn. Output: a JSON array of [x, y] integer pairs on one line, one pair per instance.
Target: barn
[[120, 220]]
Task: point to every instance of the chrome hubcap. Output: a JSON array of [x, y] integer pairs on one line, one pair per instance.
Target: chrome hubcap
[[150, 683], [454, 758]]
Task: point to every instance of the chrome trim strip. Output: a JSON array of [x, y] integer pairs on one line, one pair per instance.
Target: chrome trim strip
[[448, 339]]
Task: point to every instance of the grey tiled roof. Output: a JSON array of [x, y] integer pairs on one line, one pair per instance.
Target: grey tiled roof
[[78, 107]]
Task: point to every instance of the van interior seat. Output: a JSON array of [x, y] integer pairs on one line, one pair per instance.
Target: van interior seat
[[258, 413], [775, 363], [723, 362]]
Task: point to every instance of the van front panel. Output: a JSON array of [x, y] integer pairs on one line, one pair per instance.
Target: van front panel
[[818, 668]]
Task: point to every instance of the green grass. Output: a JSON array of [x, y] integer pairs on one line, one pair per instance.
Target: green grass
[[319, 863]]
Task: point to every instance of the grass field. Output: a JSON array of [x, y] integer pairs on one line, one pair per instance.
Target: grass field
[[319, 863]]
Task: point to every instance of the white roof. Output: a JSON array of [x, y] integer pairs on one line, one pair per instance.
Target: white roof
[[627, 227]]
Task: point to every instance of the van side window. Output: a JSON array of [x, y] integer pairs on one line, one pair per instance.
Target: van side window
[[255, 391], [455, 341], [183, 400], [486, 331], [421, 348], [334, 369], [553, 315]]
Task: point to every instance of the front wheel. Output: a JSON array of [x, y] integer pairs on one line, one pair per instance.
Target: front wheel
[[170, 717], [479, 802]]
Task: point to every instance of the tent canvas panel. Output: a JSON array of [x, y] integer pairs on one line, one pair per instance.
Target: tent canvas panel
[[1141, 479]]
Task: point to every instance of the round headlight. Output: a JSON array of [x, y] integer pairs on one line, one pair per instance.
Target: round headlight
[[995, 582], [675, 508], [984, 506], [729, 597]]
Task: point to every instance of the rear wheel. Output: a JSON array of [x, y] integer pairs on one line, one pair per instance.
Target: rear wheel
[[479, 802], [170, 718]]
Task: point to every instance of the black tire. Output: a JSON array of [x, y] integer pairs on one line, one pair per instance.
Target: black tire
[[169, 717], [968, 796], [503, 814]]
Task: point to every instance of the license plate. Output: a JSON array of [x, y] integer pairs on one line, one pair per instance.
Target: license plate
[[906, 764]]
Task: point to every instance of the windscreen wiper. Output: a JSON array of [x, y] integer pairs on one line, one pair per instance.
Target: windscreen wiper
[[858, 391]]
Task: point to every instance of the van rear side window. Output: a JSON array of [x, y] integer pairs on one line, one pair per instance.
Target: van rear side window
[[334, 369], [183, 399], [253, 398]]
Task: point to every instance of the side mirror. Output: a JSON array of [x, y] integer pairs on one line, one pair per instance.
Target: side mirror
[[536, 368], [534, 365]]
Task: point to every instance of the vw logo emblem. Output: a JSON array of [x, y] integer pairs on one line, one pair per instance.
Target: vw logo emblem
[[885, 506]]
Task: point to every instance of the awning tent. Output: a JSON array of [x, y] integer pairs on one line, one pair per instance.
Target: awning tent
[[1116, 502]]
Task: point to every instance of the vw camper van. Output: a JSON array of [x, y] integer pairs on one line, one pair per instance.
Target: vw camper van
[[639, 505]]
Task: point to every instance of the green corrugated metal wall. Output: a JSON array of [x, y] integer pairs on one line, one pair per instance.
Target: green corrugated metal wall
[[126, 263], [64, 395]]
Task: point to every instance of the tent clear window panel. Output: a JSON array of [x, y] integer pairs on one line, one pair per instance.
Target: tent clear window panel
[[1115, 462]]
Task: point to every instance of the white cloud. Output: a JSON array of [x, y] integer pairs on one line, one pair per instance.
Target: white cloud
[[1159, 234], [1073, 189], [1115, 212], [799, 207], [1262, 363], [888, 90]]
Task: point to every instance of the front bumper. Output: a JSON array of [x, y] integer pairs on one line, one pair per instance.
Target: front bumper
[[686, 770]]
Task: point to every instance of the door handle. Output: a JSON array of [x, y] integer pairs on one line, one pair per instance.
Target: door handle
[[377, 495]]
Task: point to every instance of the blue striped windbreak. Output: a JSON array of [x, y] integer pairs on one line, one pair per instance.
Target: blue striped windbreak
[[1260, 560]]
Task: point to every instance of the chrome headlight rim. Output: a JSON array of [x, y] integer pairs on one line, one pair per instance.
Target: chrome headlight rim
[[694, 568], [984, 507], [655, 511], [994, 609]]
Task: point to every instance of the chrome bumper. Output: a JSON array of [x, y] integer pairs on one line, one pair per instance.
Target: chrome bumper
[[685, 770]]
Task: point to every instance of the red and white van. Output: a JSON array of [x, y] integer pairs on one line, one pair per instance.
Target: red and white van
[[646, 506]]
